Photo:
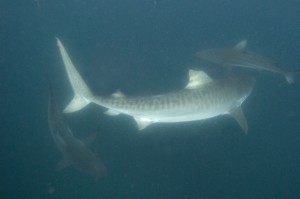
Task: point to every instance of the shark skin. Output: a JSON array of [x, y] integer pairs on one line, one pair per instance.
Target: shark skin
[[238, 56], [74, 151], [202, 98]]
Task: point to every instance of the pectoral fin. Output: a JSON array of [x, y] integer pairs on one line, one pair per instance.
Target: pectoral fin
[[142, 122], [238, 115]]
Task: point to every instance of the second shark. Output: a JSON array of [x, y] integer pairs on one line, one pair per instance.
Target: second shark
[[74, 151]]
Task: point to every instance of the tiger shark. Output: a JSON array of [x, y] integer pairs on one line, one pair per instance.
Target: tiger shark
[[201, 99], [238, 56], [74, 151]]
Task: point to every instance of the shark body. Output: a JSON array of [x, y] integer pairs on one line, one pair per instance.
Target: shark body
[[74, 151], [238, 56], [201, 99]]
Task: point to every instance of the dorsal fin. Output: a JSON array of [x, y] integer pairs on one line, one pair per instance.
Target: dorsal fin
[[241, 45], [118, 94], [197, 79]]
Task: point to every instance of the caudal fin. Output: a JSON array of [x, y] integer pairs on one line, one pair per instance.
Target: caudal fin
[[82, 94]]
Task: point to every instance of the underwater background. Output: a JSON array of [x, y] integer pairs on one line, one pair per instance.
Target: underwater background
[[146, 48]]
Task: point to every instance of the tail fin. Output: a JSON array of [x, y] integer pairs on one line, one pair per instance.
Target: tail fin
[[82, 93]]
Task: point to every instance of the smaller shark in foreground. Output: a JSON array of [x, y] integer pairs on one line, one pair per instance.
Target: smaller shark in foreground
[[74, 151], [238, 56], [201, 99]]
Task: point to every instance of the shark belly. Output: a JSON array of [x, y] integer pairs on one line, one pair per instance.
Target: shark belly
[[182, 106]]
